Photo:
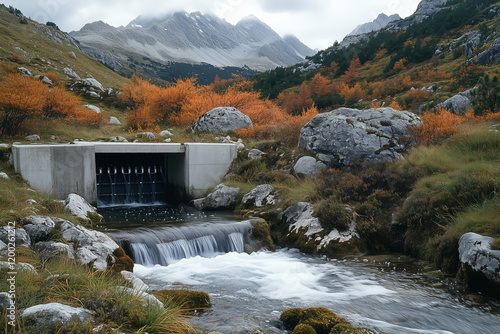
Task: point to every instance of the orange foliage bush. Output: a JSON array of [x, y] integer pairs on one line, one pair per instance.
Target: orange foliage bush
[[351, 93], [21, 98], [400, 65], [296, 102], [352, 72], [438, 126], [54, 78]]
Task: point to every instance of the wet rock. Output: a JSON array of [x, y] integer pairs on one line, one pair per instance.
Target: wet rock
[[260, 196], [49, 315], [222, 119], [308, 166], [39, 227], [222, 198]]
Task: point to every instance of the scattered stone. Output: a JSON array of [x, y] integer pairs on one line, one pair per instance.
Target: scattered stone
[[118, 139], [39, 227], [94, 94], [17, 266], [308, 166], [114, 120], [51, 249], [4, 145], [222, 198], [345, 136], [33, 137], [168, 140], [145, 135], [48, 315], [31, 201], [4, 176], [260, 195], [72, 54], [21, 238], [79, 207], [95, 109], [255, 154], [222, 119], [91, 82], [70, 73], [165, 133], [47, 81], [24, 71], [228, 140]]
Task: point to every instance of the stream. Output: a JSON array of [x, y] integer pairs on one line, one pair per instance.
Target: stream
[[387, 293]]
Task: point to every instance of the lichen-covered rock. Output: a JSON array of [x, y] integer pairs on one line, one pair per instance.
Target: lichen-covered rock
[[308, 166], [480, 264], [260, 196], [345, 136], [79, 207], [319, 318], [222, 119], [39, 227], [222, 198], [48, 315]]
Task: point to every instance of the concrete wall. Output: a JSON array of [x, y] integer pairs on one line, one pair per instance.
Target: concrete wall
[[59, 170]]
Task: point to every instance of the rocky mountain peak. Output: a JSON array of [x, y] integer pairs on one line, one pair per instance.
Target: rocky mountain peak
[[380, 22]]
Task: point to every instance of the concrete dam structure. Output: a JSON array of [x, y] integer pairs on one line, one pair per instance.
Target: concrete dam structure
[[122, 173]]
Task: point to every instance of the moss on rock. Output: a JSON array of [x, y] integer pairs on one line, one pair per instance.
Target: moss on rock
[[122, 261], [320, 319], [304, 329], [260, 237], [188, 299]]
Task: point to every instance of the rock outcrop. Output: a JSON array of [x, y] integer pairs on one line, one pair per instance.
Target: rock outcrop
[[222, 198], [491, 55], [222, 119], [39, 227], [479, 262], [345, 136], [260, 196]]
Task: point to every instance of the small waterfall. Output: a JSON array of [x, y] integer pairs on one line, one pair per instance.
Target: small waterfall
[[167, 245], [119, 185]]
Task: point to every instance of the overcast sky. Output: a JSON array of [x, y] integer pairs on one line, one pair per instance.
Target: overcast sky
[[317, 23]]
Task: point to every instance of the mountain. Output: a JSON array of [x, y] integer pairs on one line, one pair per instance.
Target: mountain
[[193, 38], [380, 22]]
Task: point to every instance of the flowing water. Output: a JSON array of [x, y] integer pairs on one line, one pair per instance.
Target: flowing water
[[183, 248]]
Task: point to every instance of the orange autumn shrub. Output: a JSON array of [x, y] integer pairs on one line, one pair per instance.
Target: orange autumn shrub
[[437, 126], [21, 98], [54, 78], [60, 103]]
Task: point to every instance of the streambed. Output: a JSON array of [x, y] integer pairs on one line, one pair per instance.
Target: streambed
[[249, 292]]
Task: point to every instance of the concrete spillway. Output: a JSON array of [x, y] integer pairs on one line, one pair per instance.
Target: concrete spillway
[[124, 172]]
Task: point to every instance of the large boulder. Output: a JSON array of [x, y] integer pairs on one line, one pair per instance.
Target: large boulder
[[480, 264], [345, 136], [457, 104], [222, 119], [222, 198], [79, 207], [49, 315]]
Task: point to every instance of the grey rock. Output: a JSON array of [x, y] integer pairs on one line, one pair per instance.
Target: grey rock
[[95, 109], [114, 120], [70, 73], [475, 250], [93, 83], [471, 44], [308, 166], [39, 227], [33, 137], [344, 137], [47, 81], [145, 135], [52, 313], [380, 22], [94, 94], [17, 266], [137, 284], [457, 104], [79, 207], [260, 195], [4, 176], [255, 154], [165, 133], [5, 300], [223, 197], [50, 249], [119, 139], [148, 300], [300, 216], [294, 212], [222, 119], [4, 145], [24, 71], [19, 235], [491, 55], [93, 246]]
